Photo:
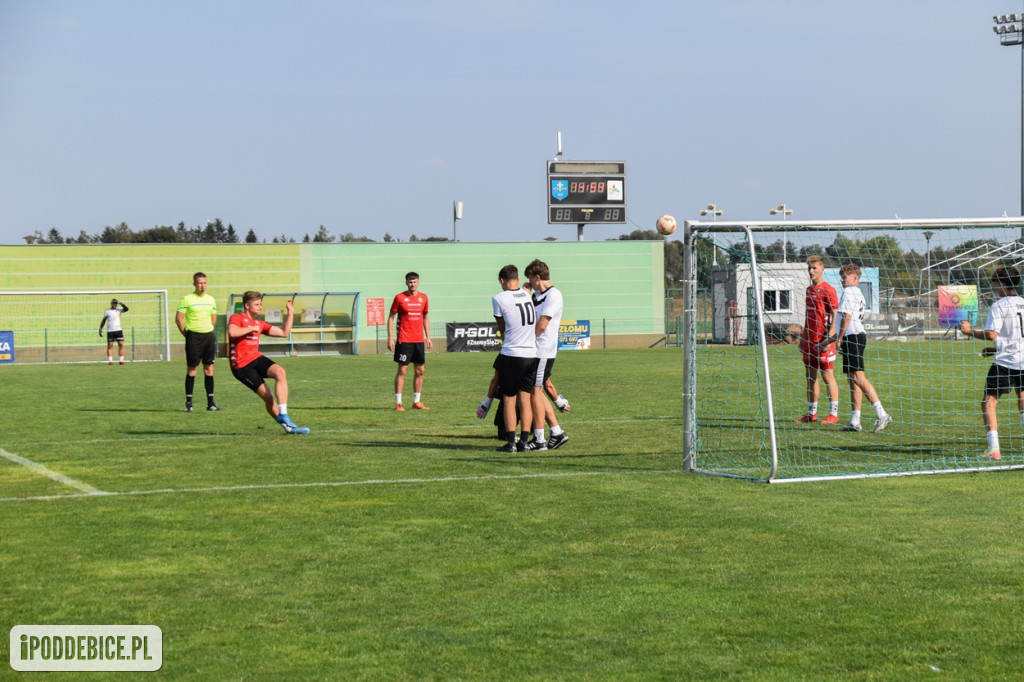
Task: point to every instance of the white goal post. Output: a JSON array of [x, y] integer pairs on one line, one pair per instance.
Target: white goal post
[[63, 326], [745, 384]]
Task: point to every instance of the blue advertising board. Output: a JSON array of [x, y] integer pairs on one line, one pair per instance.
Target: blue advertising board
[[574, 334], [6, 348]]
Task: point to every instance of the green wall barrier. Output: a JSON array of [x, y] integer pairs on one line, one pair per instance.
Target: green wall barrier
[[601, 280]]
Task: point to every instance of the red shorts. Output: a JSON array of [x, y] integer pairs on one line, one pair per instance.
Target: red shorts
[[823, 360]]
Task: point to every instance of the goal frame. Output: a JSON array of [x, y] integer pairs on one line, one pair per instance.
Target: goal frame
[[112, 293], [692, 230]]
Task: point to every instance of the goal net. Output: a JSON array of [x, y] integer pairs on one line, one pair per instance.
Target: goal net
[[62, 326], [745, 382]]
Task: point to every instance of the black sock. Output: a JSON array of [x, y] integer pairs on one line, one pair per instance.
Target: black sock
[[209, 388], [190, 382]]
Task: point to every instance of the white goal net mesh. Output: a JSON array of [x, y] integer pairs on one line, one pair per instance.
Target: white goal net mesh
[[56, 326], [746, 383]]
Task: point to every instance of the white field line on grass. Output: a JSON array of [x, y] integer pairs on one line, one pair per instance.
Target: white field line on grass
[[336, 484], [38, 468]]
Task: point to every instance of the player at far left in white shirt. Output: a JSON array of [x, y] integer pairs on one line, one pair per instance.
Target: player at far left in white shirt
[[112, 318], [1005, 326]]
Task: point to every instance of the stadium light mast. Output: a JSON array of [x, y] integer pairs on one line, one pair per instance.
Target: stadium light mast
[[714, 212], [1010, 29], [781, 208]]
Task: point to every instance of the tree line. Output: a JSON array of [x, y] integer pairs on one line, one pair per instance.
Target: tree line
[[214, 232], [899, 270]]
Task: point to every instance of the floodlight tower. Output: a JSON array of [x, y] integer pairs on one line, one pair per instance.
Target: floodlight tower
[[1010, 29], [714, 212], [781, 208]]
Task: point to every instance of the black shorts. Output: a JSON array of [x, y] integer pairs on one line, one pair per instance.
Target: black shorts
[[253, 374], [115, 336], [544, 366], [415, 353], [516, 374], [200, 347], [852, 347], [1001, 379]]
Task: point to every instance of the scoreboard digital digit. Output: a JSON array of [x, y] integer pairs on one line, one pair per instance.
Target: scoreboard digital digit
[[586, 192]]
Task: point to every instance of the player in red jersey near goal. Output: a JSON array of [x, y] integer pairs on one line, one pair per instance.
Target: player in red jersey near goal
[[821, 302]]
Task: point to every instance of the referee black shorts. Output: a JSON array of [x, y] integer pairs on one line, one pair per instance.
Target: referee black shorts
[[200, 347]]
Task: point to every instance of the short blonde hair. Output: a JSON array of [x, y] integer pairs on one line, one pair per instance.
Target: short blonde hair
[[850, 269], [811, 260]]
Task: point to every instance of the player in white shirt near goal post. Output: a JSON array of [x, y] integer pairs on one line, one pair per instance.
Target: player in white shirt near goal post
[[1005, 326], [112, 318], [853, 340]]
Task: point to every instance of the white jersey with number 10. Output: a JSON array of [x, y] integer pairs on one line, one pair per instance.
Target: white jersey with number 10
[[516, 308]]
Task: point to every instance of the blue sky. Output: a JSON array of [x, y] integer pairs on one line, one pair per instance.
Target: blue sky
[[373, 117]]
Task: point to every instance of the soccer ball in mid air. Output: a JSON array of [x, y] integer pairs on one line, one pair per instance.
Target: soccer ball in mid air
[[666, 224]]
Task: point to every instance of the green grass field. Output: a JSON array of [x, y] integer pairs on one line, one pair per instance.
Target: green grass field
[[390, 546]]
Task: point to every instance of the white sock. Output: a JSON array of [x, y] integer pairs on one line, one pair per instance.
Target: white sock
[[282, 408], [538, 435], [556, 430], [879, 410], [855, 417], [416, 397], [122, 358], [110, 358], [398, 398], [833, 407], [993, 440], [812, 408]]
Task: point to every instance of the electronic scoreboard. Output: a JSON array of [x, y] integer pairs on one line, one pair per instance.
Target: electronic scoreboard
[[582, 192]]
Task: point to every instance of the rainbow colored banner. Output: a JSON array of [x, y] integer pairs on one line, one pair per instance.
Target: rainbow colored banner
[[957, 302]]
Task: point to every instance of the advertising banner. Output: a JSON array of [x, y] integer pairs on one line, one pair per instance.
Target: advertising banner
[[6, 348], [574, 335], [469, 337], [375, 312], [957, 302]]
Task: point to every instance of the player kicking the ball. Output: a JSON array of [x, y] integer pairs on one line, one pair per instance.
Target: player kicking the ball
[[250, 367]]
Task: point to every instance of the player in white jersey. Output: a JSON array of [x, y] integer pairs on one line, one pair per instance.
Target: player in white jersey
[[853, 339], [517, 361], [1005, 326], [547, 301], [112, 319]]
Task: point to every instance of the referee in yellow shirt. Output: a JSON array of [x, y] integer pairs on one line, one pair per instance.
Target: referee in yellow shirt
[[196, 319]]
